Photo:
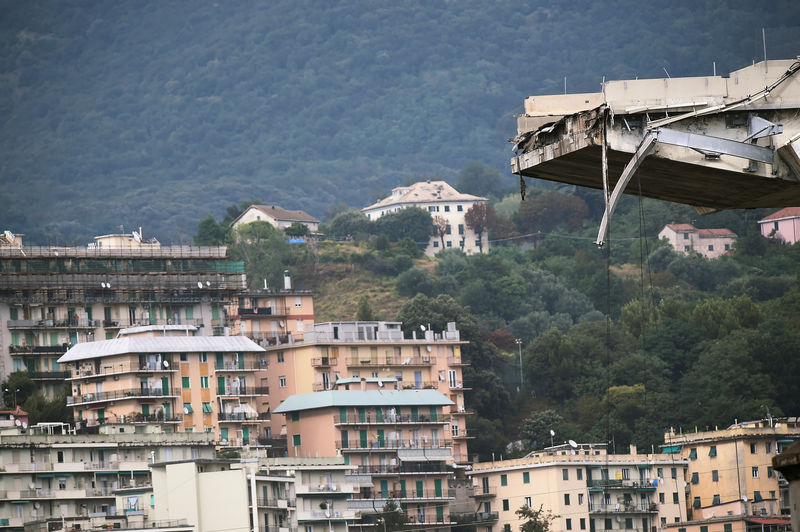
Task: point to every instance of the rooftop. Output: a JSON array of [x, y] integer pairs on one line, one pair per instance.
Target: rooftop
[[159, 344], [281, 214], [345, 398], [424, 192], [788, 212]]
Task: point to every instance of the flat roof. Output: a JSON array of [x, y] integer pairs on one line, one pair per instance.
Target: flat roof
[[388, 398], [159, 344]]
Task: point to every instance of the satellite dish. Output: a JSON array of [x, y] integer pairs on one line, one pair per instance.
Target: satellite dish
[[18, 423], [32, 485], [744, 498], [552, 432], [208, 283], [380, 384], [166, 363], [281, 323], [199, 284], [37, 505], [185, 410], [327, 513], [573, 444], [422, 327]]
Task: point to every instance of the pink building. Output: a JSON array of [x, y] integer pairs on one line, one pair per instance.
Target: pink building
[[710, 243], [784, 225]]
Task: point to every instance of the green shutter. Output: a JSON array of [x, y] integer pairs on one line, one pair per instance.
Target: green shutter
[[437, 487], [185, 382], [362, 438], [189, 313], [342, 415], [384, 489], [402, 489], [420, 490], [296, 440], [221, 385], [223, 433], [381, 440]]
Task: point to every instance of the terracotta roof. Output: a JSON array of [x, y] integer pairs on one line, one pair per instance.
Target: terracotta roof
[[716, 233], [682, 227], [281, 214], [424, 192], [788, 212]]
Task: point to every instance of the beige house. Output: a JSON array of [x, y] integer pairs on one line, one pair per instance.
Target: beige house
[[587, 488], [51, 477], [276, 216], [398, 439], [731, 517], [175, 383], [343, 353], [442, 201], [710, 243], [734, 464]]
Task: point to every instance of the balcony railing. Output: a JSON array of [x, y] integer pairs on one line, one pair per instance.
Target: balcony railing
[[243, 390], [113, 369], [620, 483], [621, 508], [67, 323], [407, 468], [391, 360], [486, 517], [371, 418], [393, 444], [60, 375], [242, 417], [409, 493], [324, 361], [122, 394], [247, 366], [456, 361], [262, 312], [276, 503]]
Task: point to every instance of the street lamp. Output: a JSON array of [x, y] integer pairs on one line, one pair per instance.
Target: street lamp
[[518, 341], [15, 395]]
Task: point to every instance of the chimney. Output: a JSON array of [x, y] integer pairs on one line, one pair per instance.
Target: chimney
[[363, 383], [287, 280], [633, 449]]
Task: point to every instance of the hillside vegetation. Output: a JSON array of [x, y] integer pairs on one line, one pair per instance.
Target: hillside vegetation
[[150, 113]]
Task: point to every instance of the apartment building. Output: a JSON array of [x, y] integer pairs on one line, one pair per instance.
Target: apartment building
[[51, 478], [53, 297], [686, 238], [735, 464], [731, 517], [331, 352], [262, 494], [442, 201], [585, 487], [178, 383], [398, 439], [272, 316]]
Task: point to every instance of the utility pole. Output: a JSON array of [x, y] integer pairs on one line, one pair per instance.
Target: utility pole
[[518, 341]]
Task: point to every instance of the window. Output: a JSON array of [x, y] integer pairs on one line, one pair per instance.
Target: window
[[755, 471], [203, 357], [757, 496], [580, 498], [674, 472], [436, 243], [298, 301], [460, 208], [460, 229], [185, 382], [528, 502], [660, 473], [692, 454], [727, 527], [279, 354], [770, 472], [583, 523], [565, 474], [727, 247], [580, 474], [295, 416], [187, 408], [695, 478], [712, 451], [296, 440], [204, 382], [696, 502], [505, 505], [663, 522], [753, 448], [447, 208], [282, 381], [626, 474], [711, 247], [207, 408], [449, 243], [184, 357], [768, 447], [608, 523], [569, 524], [715, 500], [704, 528], [566, 499], [504, 480], [526, 478], [715, 475], [686, 236], [448, 230], [686, 248], [661, 498], [506, 527], [675, 497], [628, 523]]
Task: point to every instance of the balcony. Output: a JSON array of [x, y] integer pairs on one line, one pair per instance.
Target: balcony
[[49, 375], [68, 323], [392, 444], [623, 508], [486, 517], [276, 503], [130, 393], [370, 418], [390, 360], [241, 417], [461, 411], [485, 492], [327, 489], [324, 362], [38, 349], [88, 372], [238, 366], [408, 468], [641, 485], [458, 385], [327, 515], [241, 391], [262, 312], [456, 361], [407, 495]]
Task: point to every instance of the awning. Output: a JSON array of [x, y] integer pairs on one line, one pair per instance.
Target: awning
[[786, 440], [19, 502], [45, 475], [643, 466], [670, 450], [424, 455], [106, 472]]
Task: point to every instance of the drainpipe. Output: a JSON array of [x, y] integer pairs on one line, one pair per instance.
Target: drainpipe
[[254, 499]]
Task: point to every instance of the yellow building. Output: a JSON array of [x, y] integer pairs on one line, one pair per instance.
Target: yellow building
[[177, 383], [734, 516], [398, 439], [272, 316], [333, 351], [735, 464], [586, 488]]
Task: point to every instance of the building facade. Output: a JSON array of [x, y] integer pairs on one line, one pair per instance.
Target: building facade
[[176, 383], [783, 225], [442, 201], [585, 487], [49, 475], [54, 297], [276, 216], [398, 439], [735, 464], [710, 243], [332, 352], [272, 316]]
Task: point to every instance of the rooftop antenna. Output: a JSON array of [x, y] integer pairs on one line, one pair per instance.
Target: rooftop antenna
[[667, 73], [565, 84], [715, 68], [764, 41]]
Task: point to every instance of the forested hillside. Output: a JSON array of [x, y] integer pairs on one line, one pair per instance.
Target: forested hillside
[[157, 113]]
